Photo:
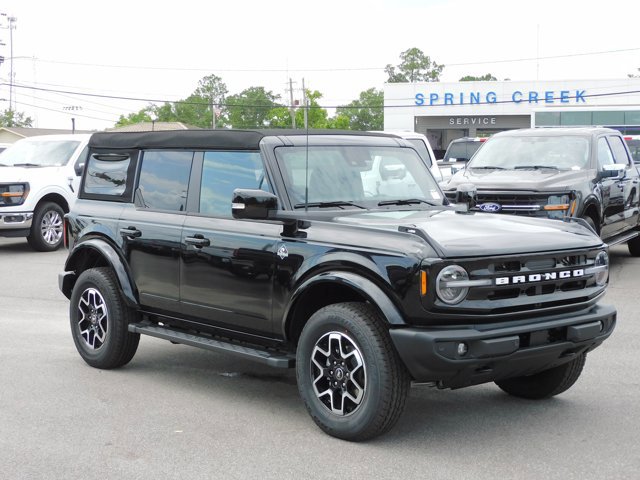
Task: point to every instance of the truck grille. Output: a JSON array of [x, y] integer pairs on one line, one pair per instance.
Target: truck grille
[[530, 204], [510, 285]]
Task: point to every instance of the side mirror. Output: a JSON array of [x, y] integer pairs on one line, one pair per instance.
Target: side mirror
[[615, 170], [253, 204], [79, 168], [466, 193]]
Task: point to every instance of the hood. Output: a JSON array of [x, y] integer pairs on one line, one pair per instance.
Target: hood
[[27, 174], [457, 234], [545, 179]]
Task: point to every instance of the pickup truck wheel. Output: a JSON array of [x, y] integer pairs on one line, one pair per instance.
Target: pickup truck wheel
[[99, 319], [349, 374], [634, 246], [547, 383], [592, 223], [46, 228]]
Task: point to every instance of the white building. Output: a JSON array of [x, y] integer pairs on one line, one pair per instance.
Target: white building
[[445, 111]]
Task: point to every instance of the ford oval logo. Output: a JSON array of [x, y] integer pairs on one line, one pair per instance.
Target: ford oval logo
[[490, 207]]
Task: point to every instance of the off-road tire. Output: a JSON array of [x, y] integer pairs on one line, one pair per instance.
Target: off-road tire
[[47, 225], [547, 383], [359, 331], [99, 318], [634, 246]]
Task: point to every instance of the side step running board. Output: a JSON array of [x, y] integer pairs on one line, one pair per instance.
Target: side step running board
[[622, 238], [273, 359]]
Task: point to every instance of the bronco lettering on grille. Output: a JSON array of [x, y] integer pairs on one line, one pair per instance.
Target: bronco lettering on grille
[[539, 277]]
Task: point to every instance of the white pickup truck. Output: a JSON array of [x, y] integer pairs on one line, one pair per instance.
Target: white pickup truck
[[39, 179]]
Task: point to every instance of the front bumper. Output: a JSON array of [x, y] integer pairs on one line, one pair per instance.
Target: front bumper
[[11, 222], [500, 351]]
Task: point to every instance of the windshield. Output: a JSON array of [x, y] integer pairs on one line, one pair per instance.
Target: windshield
[[360, 175], [558, 152], [462, 151], [634, 147], [419, 145], [47, 153]]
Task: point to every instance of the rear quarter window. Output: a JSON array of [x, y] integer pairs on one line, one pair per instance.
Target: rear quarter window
[[109, 176]]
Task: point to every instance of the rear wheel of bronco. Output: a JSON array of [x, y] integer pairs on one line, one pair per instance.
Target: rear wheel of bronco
[[349, 375], [547, 383], [46, 233], [99, 320]]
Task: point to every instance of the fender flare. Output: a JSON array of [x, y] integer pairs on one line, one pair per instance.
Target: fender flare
[[365, 287], [109, 253]]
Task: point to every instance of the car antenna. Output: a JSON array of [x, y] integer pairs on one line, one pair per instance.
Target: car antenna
[[306, 154]]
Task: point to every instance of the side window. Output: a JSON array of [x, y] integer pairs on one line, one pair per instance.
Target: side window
[[222, 173], [619, 152], [605, 157], [107, 175], [164, 180]]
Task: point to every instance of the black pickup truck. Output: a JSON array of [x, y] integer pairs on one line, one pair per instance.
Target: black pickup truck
[[559, 173], [331, 252]]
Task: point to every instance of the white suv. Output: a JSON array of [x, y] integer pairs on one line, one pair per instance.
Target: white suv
[[39, 179], [421, 144]]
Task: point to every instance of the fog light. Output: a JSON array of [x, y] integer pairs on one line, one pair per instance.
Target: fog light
[[462, 349]]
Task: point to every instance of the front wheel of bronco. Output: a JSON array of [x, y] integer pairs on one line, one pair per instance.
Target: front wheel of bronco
[[349, 376], [99, 320], [46, 234], [547, 383]]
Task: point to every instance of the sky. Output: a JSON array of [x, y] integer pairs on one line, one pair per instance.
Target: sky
[[155, 51]]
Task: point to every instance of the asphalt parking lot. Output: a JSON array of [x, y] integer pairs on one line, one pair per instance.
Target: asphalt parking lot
[[180, 412]]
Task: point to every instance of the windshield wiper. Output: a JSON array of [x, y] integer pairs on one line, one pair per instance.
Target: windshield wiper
[[337, 203], [26, 165], [406, 201], [487, 168], [533, 167]]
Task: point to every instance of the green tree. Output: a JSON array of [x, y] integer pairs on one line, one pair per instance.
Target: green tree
[[11, 118], [316, 115], [485, 78], [251, 108], [280, 117], [339, 122], [414, 67], [195, 110], [147, 114], [367, 112]]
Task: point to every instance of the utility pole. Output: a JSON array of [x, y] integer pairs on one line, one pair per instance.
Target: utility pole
[[213, 113], [12, 25], [291, 109], [306, 106]]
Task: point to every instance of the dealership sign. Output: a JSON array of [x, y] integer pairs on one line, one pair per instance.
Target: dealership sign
[[517, 96]]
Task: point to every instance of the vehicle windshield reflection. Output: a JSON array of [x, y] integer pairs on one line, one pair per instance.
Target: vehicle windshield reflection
[[356, 176]]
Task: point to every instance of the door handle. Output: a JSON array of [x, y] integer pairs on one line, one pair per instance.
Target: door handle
[[132, 232], [197, 241]]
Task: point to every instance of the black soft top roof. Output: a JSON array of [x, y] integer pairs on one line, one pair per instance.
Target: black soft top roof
[[219, 139]]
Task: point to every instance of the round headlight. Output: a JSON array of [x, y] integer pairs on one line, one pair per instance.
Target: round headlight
[[446, 287], [602, 268]]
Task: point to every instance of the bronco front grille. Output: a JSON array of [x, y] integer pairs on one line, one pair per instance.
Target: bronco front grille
[[525, 283]]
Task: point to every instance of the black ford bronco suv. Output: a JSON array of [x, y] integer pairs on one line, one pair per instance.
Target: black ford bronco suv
[[331, 252]]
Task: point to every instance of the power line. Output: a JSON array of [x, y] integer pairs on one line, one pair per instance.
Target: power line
[[297, 70], [204, 102], [58, 111]]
